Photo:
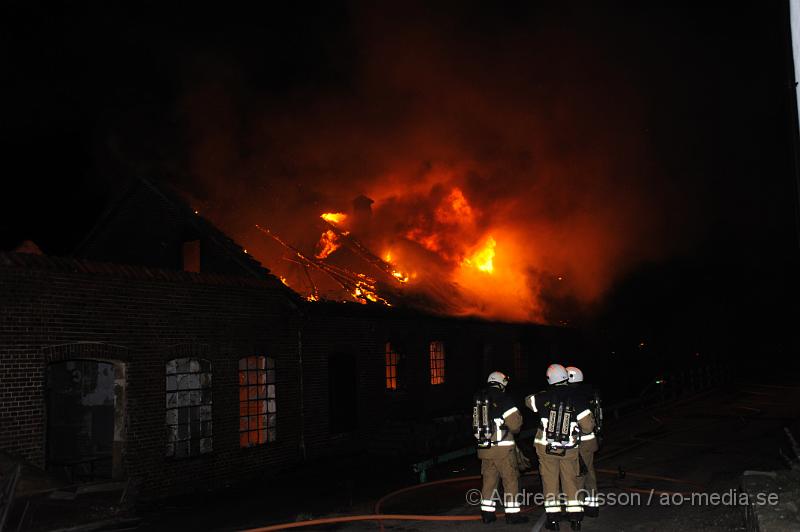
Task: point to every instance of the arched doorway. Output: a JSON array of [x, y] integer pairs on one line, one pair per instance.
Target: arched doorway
[[85, 419]]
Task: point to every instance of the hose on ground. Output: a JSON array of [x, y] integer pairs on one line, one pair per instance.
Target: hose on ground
[[379, 517]]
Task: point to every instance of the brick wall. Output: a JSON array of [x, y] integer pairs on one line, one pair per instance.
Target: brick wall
[[420, 419], [50, 314], [54, 309]]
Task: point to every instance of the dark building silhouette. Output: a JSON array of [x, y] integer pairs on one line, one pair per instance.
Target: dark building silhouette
[[162, 351]]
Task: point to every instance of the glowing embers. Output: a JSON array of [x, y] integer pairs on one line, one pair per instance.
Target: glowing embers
[[334, 217], [400, 276], [365, 291], [257, 407], [328, 243], [483, 258]]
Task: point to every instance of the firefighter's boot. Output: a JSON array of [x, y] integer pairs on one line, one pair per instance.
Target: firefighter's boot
[[551, 524], [488, 517], [575, 525]]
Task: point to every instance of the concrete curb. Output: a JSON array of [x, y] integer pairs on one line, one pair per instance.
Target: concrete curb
[[773, 500]]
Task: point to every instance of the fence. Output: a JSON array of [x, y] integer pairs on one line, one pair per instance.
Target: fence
[[672, 387]]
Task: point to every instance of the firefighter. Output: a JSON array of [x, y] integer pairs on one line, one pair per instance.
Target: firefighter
[[564, 415], [589, 443], [495, 420]]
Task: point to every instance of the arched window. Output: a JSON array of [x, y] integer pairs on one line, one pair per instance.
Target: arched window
[[257, 406], [189, 430]]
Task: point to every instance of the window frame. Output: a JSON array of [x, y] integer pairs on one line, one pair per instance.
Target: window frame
[[437, 358], [391, 364], [258, 391], [189, 380]]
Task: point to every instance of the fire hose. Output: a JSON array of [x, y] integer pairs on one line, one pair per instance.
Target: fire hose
[[379, 517]]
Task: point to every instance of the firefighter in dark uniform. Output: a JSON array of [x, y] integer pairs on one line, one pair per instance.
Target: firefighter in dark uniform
[[589, 442], [495, 420], [564, 415]]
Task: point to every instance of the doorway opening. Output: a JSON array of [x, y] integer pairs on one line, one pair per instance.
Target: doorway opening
[[343, 390], [85, 419]]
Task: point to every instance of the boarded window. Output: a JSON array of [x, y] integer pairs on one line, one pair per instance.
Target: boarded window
[[520, 364], [188, 407], [257, 407], [437, 362], [392, 364]]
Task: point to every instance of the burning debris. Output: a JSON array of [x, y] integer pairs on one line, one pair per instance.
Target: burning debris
[[446, 244], [361, 287], [362, 251], [328, 243]]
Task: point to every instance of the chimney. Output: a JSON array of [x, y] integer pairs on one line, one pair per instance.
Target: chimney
[[362, 215]]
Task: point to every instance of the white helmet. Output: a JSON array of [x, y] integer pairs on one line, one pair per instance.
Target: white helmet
[[575, 375], [556, 374], [498, 377]]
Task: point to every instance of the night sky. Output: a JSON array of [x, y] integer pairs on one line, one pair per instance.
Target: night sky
[[695, 101]]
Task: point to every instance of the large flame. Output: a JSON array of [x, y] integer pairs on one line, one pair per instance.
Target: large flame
[[484, 190], [334, 217], [328, 243], [483, 259]]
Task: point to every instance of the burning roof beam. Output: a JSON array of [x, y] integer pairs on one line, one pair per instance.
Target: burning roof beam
[[360, 286], [361, 250]]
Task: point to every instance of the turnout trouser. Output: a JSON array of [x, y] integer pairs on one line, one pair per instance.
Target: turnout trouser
[[555, 468], [499, 463], [587, 450]]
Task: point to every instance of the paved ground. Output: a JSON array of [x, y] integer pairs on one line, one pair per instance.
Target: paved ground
[[703, 444], [706, 443]]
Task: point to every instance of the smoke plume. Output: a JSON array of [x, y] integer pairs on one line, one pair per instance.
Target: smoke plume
[[508, 163]]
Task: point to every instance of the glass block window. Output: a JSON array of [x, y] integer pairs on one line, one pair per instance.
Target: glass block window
[[392, 360], [520, 364], [437, 362], [257, 407], [189, 431]]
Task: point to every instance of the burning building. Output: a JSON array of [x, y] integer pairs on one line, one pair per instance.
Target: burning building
[[163, 351]]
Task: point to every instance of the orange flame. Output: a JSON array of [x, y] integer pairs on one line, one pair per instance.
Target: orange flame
[[400, 276], [454, 209], [328, 243], [397, 274], [483, 259], [334, 217]]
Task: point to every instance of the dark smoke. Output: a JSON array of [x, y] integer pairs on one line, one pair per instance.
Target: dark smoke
[[535, 123]]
